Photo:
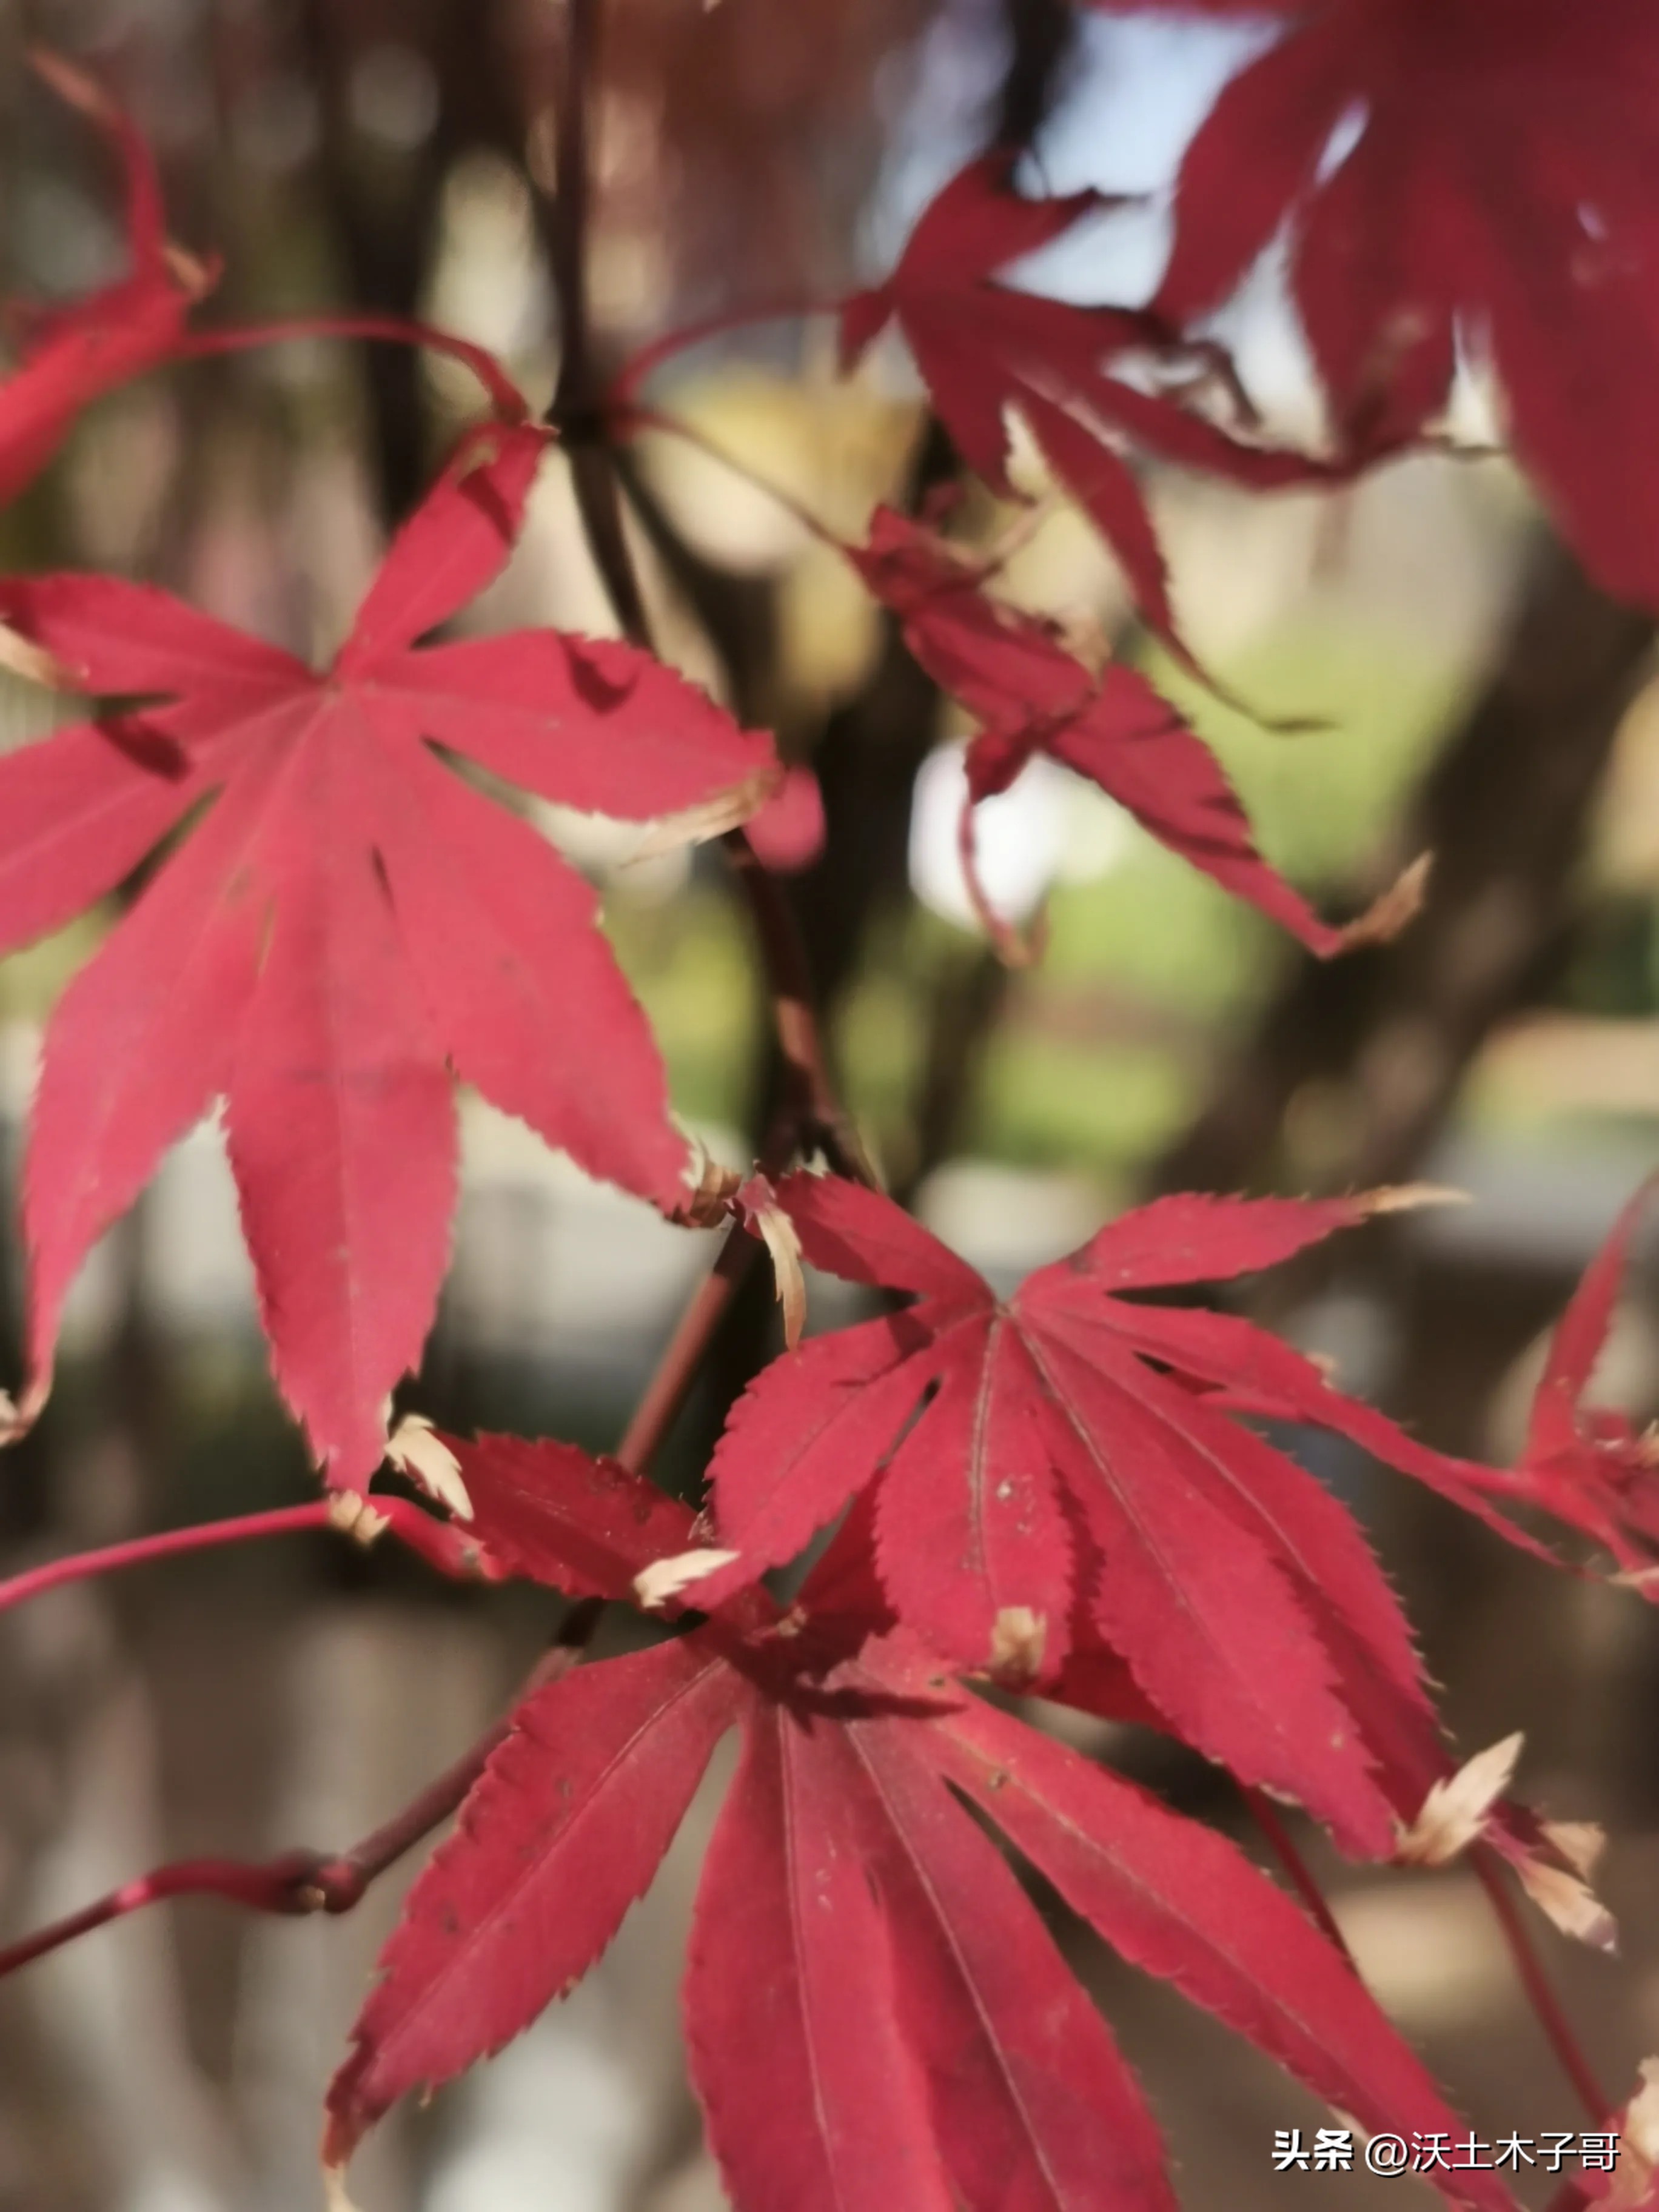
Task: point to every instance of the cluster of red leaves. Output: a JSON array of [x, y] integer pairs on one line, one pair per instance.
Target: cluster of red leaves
[[1029, 694], [875, 2011], [1497, 193], [984, 347], [1063, 1489]]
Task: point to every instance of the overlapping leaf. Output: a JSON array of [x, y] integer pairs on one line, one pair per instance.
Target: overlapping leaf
[[875, 2012], [1030, 695], [1448, 171], [1591, 1466], [73, 355], [984, 347], [347, 922], [1066, 1443]]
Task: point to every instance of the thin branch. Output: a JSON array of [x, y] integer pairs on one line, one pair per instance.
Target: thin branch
[[677, 1370], [1010, 947], [441, 1544], [300, 1882], [1300, 1874], [811, 1100], [675, 426], [640, 366], [810, 1097], [572, 211], [1542, 1998], [392, 329], [82, 1566]]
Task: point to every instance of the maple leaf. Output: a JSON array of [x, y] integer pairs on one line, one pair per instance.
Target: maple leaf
[[1496, 191], [1030, 695], [1589, 1465], [874, 2011], [73, 355], [1067, 1441], [983, 346], [346, 923]]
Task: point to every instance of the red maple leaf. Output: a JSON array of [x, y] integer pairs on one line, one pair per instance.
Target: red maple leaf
[[73, 355], [983, 346], [1066, 1443], [875, 2012], [347, 922], [1497, 189], [1591, 1466], [1030, 695]]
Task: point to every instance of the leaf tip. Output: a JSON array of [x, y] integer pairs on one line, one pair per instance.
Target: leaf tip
[[1454, 1813], [20, 656], [416, 1448], [19, 1415], [335, 2197], [664, 1579], [769, 1221], [1638, 2143], [1407, 1197], [1564, 1897], [1388, 916]]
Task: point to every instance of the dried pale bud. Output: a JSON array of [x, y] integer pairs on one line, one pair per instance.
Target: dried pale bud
[[1407, 1197], [1573, 1904], [19, 656], [1018, 1637], [350, 1512], [417, 1451], [1580, 1843], [712, 1187], [782, 1240], [1387, 916], [653, 1586], [1454, 1811], [712, 818]]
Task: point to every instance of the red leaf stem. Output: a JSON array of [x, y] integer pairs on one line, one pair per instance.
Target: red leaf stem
[[505, 396], [650, 357], [138, 1550], [1546, 2005], [675, 426], [301, 1882], [1301, 1875], [664, 1393]]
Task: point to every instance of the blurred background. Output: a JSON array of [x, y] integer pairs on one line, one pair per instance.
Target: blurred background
[[1475, 697]]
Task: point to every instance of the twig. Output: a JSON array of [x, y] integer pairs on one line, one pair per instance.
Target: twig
[[577, 411], [675, 426], [810, 1095], [1300, 1874], [1542, 1998], [441, 1544], [299, 1882], [639, 367], [393, 330], [677, 1370], [82, 1566]]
